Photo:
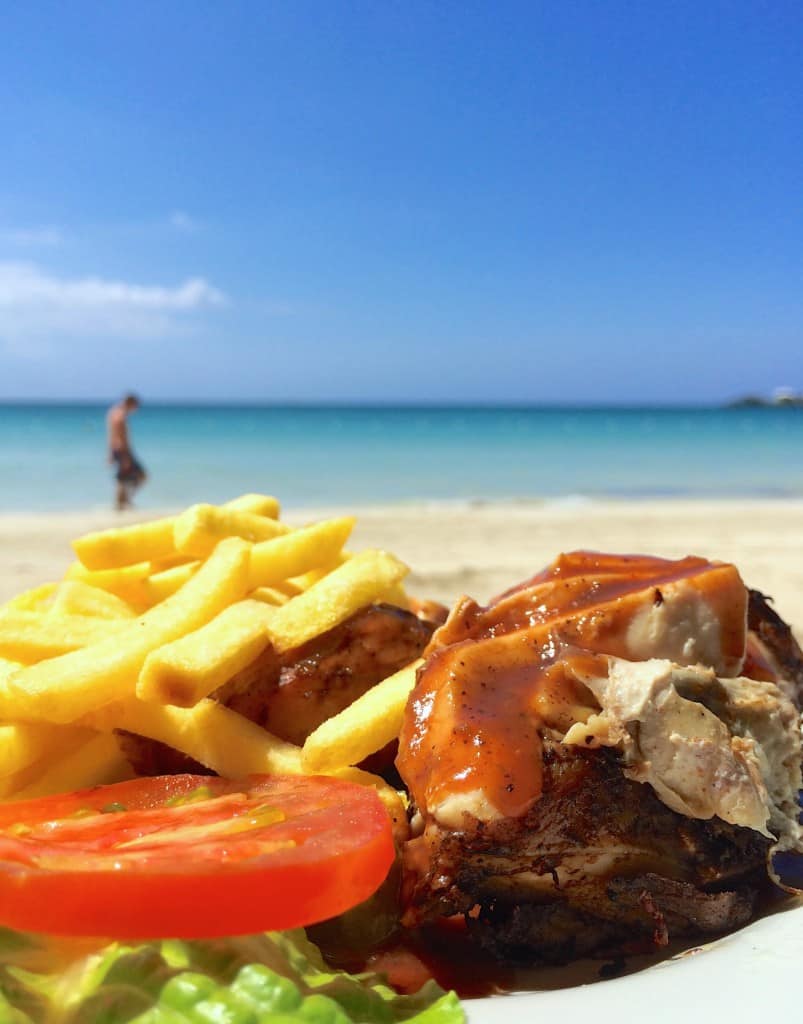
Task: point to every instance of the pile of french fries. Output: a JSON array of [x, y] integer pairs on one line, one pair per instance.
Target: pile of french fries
[[153, 617]]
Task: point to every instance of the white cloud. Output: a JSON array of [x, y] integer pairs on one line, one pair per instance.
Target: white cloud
[[182, 221], [41, 236], [23, 284], [34, 302]]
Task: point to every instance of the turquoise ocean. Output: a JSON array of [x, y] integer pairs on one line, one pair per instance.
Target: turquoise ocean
[[52, 457]]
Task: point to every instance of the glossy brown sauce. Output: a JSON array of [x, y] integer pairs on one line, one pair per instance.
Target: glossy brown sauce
[[497, 677], [587, 586], [477, 716]]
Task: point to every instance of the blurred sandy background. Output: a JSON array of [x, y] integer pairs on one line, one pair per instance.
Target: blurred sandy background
[[480, 549]]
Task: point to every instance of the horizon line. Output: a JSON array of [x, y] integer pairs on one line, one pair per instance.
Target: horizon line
[[347, 403]]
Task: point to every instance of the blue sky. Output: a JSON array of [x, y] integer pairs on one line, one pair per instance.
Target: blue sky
[[564, 201]]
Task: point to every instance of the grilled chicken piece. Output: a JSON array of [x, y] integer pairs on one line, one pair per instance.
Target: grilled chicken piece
[[772, 651], [581, 872], [291, 694], [491, 682], [552, 849]]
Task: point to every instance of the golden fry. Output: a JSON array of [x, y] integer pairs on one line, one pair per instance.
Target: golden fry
[[307, 579], [25, 743], [192, 667], [269, 595], [226, 742], [35, 600], [209, 733], [12, 784], [154, 541], [126, 545], [357, 583], [274, 561], [129, 582], [257, 504], [29, 637], [164, 584], [364, 727], [289, 588], [74, 597], [172, 562], [397, 596], [65, 688], [198, 530], [96, 762], [7, 666]]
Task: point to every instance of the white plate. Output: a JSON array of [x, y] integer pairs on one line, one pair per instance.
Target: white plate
[[753, 975]]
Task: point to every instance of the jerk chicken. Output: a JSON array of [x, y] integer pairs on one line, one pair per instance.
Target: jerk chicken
[[591, 768]]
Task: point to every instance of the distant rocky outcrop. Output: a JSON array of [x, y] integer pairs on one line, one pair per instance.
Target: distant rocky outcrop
[[780, 397]]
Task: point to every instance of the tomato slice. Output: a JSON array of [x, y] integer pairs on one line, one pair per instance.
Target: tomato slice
[[188, 856]]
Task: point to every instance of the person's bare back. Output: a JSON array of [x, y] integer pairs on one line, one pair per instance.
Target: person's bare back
[[117, 423]]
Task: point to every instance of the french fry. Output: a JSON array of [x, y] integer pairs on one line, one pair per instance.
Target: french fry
[[129, 582], [74, 597], [96, 762], [126, 545], [192, 667], [306, 580], [24, 743], [154, 541], [269, 595], [397, 596], [172, 562], [34, 600], [225, 742], [298, 584], [198, 530], [12, 784], [65, 688], [257, 504], [364, 727], [7, 666], [274, 561], [29, 637], [353, 585], [162, 585], [210, 733], [289, 588]]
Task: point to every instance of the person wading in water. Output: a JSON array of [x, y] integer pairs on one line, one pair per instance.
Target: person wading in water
[[130, 473]]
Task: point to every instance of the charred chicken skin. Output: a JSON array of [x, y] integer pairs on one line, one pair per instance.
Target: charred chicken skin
[[588, 765]]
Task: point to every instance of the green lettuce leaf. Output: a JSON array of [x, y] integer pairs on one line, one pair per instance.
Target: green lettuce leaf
[[278, 977]]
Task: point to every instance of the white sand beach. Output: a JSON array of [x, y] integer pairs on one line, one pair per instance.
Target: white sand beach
[[480, 549]]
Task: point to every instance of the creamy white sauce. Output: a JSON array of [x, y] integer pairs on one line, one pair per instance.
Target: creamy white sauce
[[707, 746]]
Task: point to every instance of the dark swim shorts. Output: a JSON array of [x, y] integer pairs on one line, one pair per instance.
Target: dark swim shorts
[[129, 470]]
